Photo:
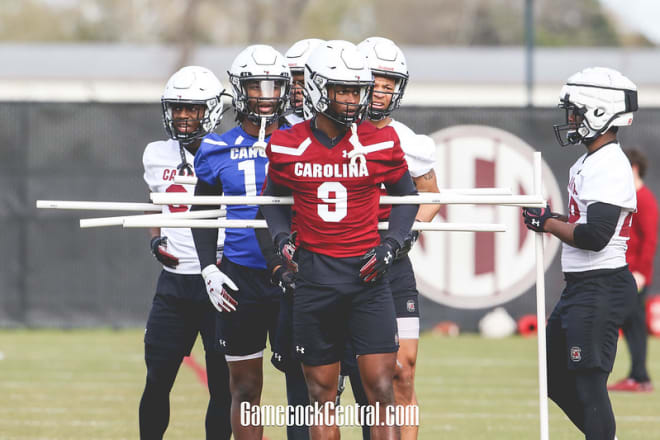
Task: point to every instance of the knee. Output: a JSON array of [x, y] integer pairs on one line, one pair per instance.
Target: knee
[[161, 375], [381, 390], [404, 381], [245, 391], [321, 392]]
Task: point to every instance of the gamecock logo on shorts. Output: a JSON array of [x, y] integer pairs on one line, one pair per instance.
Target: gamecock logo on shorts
[[410, 306], [472, 270], [576, 354]]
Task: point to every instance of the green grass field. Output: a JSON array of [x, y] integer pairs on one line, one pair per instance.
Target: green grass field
[[86, 384]]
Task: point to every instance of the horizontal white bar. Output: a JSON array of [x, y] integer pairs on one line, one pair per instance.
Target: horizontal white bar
[[98, 206], [426, 198], [185, 180], [260, 224], [119, 220], [192, 180]]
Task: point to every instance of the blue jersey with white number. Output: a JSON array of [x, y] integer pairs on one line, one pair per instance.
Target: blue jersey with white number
[[229, 159]]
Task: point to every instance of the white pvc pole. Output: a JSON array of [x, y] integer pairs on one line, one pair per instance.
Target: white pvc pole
[[97, 206], [427, 199], [192, 180], [540, 310], [119, 220], [185, 180], [145, 222]]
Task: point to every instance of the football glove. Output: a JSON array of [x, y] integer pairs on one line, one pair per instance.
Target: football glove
[[535, 218], [284, 278], [159, 249], [215, 280], [286, 247], [378, 260], [408, 243]]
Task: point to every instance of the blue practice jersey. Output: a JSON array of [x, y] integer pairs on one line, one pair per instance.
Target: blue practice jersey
[[229, 159]]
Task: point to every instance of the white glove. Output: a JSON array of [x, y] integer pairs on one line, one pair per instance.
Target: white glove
[[215, 280]]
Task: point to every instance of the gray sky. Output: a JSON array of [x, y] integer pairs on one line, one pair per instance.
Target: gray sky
[[640, 15]]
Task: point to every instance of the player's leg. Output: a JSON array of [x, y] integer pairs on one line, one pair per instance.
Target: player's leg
[[591, 387], [167, 339], [636, 334], [373, 333], [154, 412], [406, 306], [241, 335], [322, 385], [594, 317], [349, 368], [561, 381], [319, 335], [284, 359], [218, 423]]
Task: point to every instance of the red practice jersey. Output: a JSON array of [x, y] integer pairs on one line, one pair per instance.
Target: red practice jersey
[[336, 202], [643, 235]]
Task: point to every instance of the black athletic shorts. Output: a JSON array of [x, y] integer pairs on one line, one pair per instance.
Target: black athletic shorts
[[244, 331], [404, 288], [583, 329], [332, 306], [174, 320]]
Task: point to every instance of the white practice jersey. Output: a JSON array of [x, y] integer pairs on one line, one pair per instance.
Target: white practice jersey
[[604, 176], [160, 160], [419, 149]]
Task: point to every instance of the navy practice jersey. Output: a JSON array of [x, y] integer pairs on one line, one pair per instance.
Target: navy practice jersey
[[229, 159]]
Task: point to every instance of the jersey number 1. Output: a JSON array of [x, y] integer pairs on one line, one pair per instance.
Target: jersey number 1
[[340, 201]]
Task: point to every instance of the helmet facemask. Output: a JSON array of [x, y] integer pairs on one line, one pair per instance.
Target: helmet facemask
[[321, 95], [575, 129], [257, 97], [400, 82], [205, 121]]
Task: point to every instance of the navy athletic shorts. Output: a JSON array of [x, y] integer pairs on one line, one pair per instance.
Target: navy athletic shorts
[[404, 288], [583, 329], [332, 306], [244, 331], [175, 320]]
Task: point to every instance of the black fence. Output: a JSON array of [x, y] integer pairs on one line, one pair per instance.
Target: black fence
[[54, 274]]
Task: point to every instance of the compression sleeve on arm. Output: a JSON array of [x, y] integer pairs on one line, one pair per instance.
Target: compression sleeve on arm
[[278, 217], [402, 216], [599, 229], [266, 245], [206, 240]]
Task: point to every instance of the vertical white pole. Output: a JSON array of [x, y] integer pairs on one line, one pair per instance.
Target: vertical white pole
[[540, 308]]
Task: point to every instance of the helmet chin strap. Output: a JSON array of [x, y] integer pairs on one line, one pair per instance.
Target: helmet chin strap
[[184, 168], [261, 144]]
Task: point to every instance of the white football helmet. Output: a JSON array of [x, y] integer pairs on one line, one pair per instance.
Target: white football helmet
[[263, 65], [386, 59], [595, 99], [337, 63], [296, 57], [193, 85]]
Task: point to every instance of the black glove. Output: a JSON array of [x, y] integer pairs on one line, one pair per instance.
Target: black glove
[[378, 260], [158, 248], [284, 278], [286, 247], [535, 218], [408, 243]]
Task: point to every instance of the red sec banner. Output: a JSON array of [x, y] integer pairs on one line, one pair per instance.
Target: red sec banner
[[472, 270]]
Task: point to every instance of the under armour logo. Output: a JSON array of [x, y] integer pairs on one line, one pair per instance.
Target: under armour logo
[[535, 222], [344, 154], [388, 258], [222, 342], [278, 357], [300, 349]]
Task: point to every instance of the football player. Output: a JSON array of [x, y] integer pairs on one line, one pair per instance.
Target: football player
[[389, 68], [583, 329], [232, 164], [192, 108], [341, 293], [296, 57]]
